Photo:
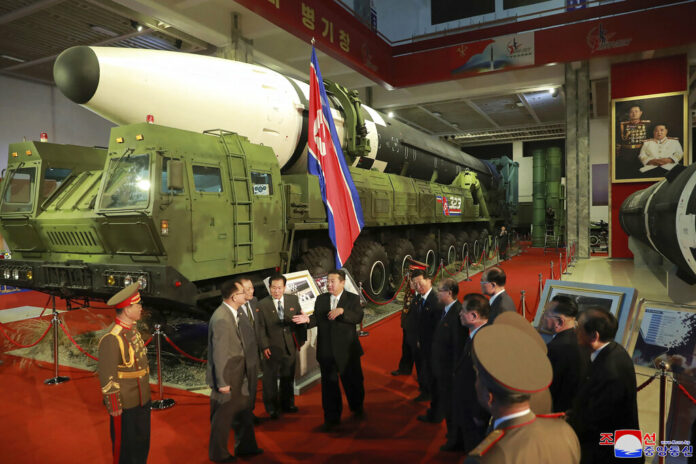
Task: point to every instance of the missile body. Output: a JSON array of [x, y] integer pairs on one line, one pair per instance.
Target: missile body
[[198, 93], [663, 216]]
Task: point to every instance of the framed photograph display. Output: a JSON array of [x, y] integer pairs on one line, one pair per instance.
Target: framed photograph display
[[617, 300], [649, 136]]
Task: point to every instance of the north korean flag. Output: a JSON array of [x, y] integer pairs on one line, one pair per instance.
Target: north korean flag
[[326, 161]]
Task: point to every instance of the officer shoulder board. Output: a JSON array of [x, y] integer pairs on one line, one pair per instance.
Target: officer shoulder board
[[487, 443]]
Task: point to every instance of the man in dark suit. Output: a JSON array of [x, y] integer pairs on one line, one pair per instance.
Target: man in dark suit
[[249, 309], [469, 418], [278, 342], [336, 315], [406, 361], [606, 400], [568, 360], [231, 374], [503, 243], [427, 314], [493, 285]]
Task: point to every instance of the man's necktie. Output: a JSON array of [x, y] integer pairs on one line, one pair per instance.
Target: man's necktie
[[250, 314], [281, 314]]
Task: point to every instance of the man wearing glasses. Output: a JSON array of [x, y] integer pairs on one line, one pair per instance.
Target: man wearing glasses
[[568, 360], [493, 285], [232, 376]]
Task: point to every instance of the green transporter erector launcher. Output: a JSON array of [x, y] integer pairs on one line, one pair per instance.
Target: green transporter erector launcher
[[181, 207]]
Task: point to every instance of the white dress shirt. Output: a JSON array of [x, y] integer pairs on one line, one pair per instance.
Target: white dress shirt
[[655, 149]]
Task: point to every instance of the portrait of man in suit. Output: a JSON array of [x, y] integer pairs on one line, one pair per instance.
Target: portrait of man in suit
[[279, 341], [232, 376], [336, 315]]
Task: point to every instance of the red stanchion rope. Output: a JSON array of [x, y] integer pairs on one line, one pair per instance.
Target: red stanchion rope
[[19, 345], [45, 307], [481, 258], [182, 352], [466, 258], [382, 303], [148, 340], [645, 384], [686, 393], [75, 343], [450, 273]]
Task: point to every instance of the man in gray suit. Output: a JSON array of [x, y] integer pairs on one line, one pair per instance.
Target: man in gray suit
[[231, 374], [249, 308], [279, 341], [493, 285]]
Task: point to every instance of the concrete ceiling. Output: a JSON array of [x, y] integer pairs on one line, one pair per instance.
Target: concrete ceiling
[[497, 107]]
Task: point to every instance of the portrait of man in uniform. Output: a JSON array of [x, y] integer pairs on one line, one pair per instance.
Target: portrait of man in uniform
[[644, 128]]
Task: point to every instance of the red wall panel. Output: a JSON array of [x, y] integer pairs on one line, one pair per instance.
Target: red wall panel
[[659, 75]]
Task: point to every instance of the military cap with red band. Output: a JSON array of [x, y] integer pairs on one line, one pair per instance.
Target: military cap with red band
[[413, 264], [512, 358], [126, 297]]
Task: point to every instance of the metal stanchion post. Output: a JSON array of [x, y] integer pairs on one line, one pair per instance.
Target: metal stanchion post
[[485, 255], [523, 304], [442, 268], [566, 261], [361, 332], [162, 402], [497, 252], [56, 379], [466, 263], [552, 276], [541, 285], [661, 427], [560, 266]]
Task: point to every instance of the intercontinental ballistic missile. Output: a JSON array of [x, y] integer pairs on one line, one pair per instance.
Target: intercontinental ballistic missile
[[663, 216], [199, 93]]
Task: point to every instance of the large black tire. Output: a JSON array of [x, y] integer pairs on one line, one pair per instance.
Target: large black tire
[[474, 245], [426, 251], [318, 261], [399, 251], [369, 264], [462, 239], [448, 248], [483, 239]]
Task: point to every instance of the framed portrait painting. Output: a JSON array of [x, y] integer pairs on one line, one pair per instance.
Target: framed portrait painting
[[649, 136]]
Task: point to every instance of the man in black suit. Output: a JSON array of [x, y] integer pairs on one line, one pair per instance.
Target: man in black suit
[[448, 341], [427, 314], [231, 374], [469, 418], [249, 309], [278, 342], [493, 285], [606, 400], [568, 360], [336, 315], [406, 361], [503, 243]]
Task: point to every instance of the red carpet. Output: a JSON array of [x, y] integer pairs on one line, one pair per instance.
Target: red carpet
[[67, 424]]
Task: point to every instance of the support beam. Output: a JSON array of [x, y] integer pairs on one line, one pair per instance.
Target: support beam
[[524, 101], [27, 10], [455, 128], [584, 167], [475, 107]]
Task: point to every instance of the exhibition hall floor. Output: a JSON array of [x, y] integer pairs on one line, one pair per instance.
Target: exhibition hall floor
[[66, 423]]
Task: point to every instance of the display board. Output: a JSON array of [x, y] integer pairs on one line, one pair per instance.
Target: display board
[[620, 301]]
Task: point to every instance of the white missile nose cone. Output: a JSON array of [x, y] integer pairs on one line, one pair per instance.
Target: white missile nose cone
[[76, 72]]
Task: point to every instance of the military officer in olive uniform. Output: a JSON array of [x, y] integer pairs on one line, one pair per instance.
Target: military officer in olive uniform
[[632, 134], [510, 366], [124, 377]]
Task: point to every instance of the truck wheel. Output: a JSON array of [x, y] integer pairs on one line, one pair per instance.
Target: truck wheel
[[463, 239], [399, 251], [318, 261], [448, 248], [368, 263], [426, 251]]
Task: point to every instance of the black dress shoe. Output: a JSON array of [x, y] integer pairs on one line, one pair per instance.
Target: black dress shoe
[[274, 415], [451, 447], [227, 459], [428, 419], [290, 409], [256, 420], [329, 426], [255, 452], [422, 397], [399, 372]]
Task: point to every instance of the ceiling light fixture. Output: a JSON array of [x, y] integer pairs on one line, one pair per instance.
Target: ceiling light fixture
[[12, 58], [390, 114], [554, 92], [102, 30], [136, 25]]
